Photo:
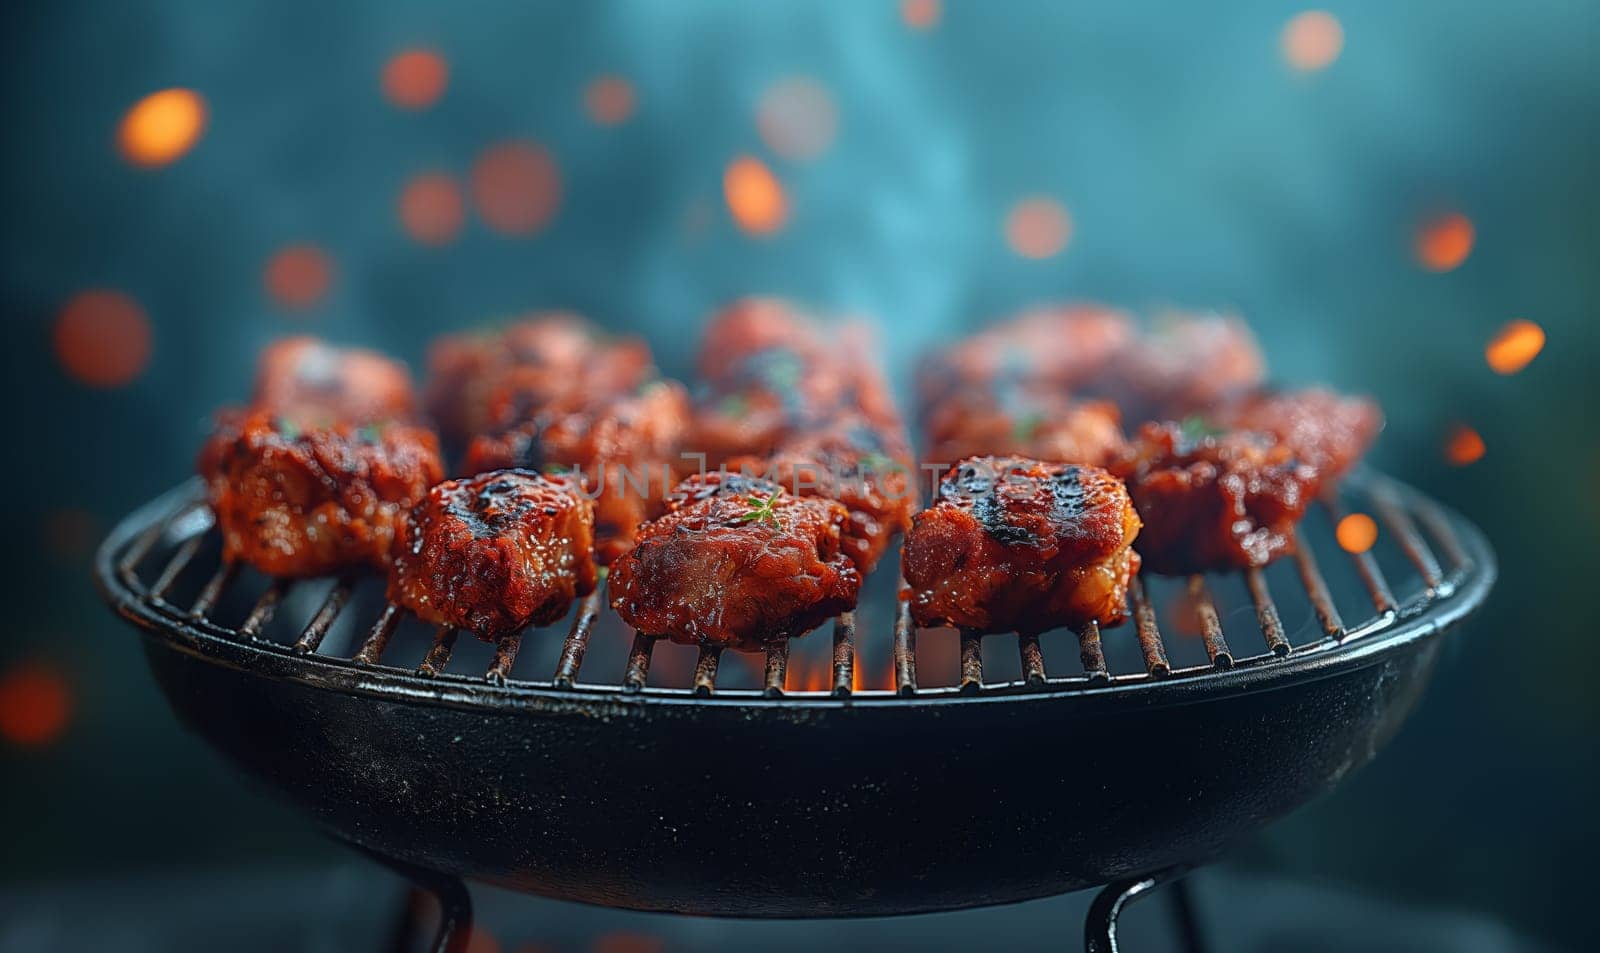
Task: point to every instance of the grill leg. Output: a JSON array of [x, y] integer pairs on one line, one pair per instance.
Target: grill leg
[[455, 909], [1100, 929]]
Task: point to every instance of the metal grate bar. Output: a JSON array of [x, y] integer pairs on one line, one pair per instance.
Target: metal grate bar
[[1366, 566], [1317, 590], [438, 657], [1266, 612], [1032, 659], [211, 594], [1210, 623], [378, 638], [905, 644], [264, 608], [1444, 534], [844, 653], [705, 670], [971, 661], [577, 643], [505, 656], [1091, 653], [317, 629], [777, 668], [1411, 541], [1144, 623], [128, 566], [638, 670], [176, 565]]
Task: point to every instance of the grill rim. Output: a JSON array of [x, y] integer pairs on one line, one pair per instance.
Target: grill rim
[[1462, 590]]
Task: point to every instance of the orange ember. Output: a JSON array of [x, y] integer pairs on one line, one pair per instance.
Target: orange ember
[[755, 196], [415, 79], [161, 127], [1357, 532], [1463, 446], [1038, 228], [516, 187], [1444, 243], [102, 338], [609, 100], [1312, 40], [298, 276], [35, 705], [1514, 347], [432, 209], [920, 14]]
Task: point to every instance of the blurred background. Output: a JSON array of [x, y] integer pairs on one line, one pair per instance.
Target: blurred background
[[1401, 198]]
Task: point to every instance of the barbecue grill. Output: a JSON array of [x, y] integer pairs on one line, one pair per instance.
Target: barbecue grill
[[600, 783]]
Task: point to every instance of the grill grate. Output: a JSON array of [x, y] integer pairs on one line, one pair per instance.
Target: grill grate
[[167, 551]]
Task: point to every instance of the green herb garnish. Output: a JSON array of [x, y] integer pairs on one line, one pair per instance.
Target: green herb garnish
[[1194, 428], [367, 433], [287, 428], [764, 510], [733, 405]]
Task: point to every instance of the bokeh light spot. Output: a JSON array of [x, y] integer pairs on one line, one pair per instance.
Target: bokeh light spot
[[797, 119], [1038, 227], [298, 276], [102, 338], [1313, 40], [161, 127], [516, 187], [920, 14], [1514, 347], [35, 705], [70, 533], [609, 100], [415, 79], [1357, 532], [1443, 243], [1463, 446], [432, 209], [755, 196]]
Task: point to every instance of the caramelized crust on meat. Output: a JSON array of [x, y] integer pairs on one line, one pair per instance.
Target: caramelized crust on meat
[[1186, 363], [1008, 419], [312, 382], [736, 561], [856, 464], [1226, 491], [1016, 545], [624, 449], [495, 553], [294, 501]]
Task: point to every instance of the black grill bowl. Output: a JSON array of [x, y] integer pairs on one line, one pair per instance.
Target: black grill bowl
[[738, 805]]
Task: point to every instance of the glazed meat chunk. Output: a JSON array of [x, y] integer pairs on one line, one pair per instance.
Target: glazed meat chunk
[[495, 553], [306, 501], [1226, 490], [1185, 364], [1017, 545], [856, 464], [311, 382], [737, 562], [1012, 419]]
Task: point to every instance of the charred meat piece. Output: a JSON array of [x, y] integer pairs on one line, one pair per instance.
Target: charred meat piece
[[1057, 349], [1185, 364], [1011, 419], [738, 562], [624, 449], [1017, 545], [312, 382], [854, 463], [305, 501], [495, 553], [1226, 491]]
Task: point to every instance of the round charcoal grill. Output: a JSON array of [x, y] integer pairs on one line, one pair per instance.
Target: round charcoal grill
[[563, 762]]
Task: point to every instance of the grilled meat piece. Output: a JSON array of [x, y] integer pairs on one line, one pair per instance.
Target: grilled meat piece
[[1011, 419], [314, 383], [1017, 545], [736, 561], [1183, 365], [1226, 491], [496, 552], [306, 501], [624, 450], [856, 464]]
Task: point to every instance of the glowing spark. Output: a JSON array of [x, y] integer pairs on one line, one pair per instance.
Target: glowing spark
[[415, 79], [609, 100], [431, 209], [1312, 40], [516, 187], [1463, 446], [102, 338], [298, 276], [1445, 242], [1038, 228], [1357, 532], [35, 705], [1514, 347], [161, 127], [755, 196]]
